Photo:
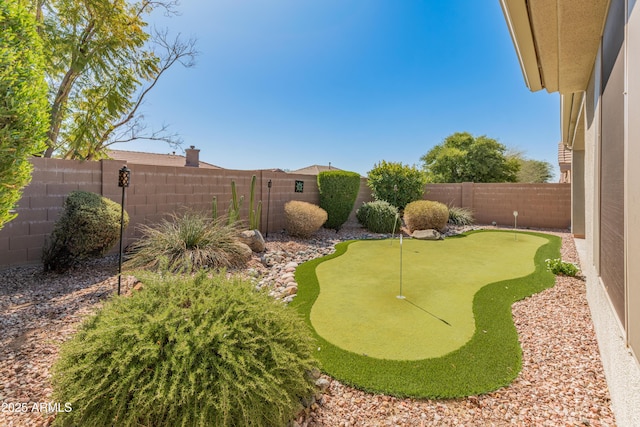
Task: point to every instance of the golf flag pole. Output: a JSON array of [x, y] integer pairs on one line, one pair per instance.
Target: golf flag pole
[[400, 296]]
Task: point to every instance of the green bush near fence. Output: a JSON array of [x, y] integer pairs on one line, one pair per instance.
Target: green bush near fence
[[338, 193], [396, 183], [379, 217], [88, 227]]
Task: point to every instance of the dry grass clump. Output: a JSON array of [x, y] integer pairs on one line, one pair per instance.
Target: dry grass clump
[[426, 215], [303, 219], [188, 242]]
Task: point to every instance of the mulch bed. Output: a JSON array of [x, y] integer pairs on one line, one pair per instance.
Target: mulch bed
[[561, 384]]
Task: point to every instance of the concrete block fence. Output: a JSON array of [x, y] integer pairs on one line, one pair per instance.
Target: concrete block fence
[[157, 191], [538, 205]]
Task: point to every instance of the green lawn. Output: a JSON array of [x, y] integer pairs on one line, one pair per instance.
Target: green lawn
[[451, 336]]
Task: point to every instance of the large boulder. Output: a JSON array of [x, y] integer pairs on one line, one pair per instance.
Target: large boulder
[[427, 235], [253, 239]]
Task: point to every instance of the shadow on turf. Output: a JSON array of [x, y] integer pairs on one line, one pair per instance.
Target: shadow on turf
[[428, 312]]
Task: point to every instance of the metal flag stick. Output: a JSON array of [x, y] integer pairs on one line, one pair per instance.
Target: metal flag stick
[[400, 296]]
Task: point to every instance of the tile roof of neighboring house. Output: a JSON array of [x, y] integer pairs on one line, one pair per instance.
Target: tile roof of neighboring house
[[314, 169], [140, 158]]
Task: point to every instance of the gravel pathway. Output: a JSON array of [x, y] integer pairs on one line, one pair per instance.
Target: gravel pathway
[[561, 384]]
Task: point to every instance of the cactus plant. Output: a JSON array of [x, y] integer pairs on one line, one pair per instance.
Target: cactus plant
[[235, 204], [254, 214]]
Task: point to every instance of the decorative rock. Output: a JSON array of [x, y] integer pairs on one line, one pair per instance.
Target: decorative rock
[[427, 235], [322, 384], [289, 265], [253, 239], [246, 250], [291, 290]]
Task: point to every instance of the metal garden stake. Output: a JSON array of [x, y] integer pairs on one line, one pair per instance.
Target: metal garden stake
[[124, 177]]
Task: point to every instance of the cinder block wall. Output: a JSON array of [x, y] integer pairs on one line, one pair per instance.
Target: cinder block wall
[[538, 205], [156, 192]]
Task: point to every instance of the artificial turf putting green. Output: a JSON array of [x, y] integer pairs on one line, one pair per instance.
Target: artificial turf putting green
[[451, 336]]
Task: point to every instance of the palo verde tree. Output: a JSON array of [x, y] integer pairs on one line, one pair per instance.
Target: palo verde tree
[[102, 61], [23, 101], [461, 157]]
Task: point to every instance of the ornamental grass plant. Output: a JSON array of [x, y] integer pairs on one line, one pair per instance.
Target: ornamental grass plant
[[195, 350], [188, 242], [460, 216]]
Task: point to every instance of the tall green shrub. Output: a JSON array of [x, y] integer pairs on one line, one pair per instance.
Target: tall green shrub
[[338, 193], [88, 227], [23, 102], [396, 183], [187, 351]]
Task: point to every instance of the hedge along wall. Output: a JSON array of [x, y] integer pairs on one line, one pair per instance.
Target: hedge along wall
[[157, 191], [538, 205], [154, 193]]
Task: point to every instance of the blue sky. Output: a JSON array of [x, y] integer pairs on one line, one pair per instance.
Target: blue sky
[[291, 83]]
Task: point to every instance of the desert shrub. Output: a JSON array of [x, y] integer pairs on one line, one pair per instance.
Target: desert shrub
[[188, 242], [187, 350], [425, 215], [338, 193], [460, 216], [303, 219], [379, 217], [396, 183], [88, 227], [557, 266]]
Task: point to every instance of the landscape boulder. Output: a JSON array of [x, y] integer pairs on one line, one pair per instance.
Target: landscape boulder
[[427, 235], [253, 239]]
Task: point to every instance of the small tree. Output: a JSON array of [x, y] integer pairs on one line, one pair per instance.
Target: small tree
[[102, 61], [396, 183], [461, 157], [23, 102], [338, 193]]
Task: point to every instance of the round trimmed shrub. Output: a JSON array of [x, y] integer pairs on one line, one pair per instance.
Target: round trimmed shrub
[[189, 242], [88, 227], [303, 219], [426, 215], [338, 193], [187, 351], [379, 217]]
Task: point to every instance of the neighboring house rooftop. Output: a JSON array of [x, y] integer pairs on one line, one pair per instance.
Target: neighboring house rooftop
[[315, 169], [156, 159]]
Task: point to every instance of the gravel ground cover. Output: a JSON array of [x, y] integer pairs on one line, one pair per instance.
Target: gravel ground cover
[[561, 383]]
